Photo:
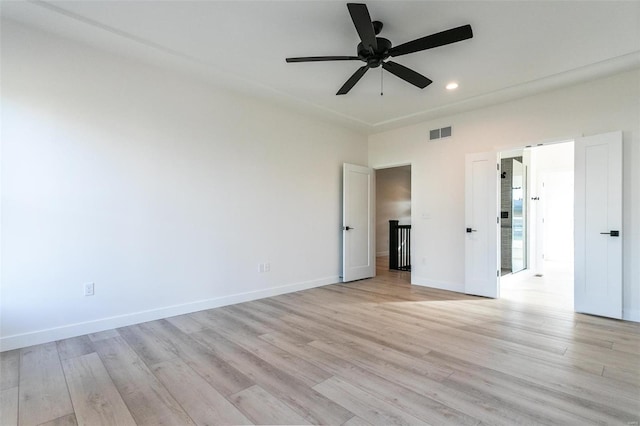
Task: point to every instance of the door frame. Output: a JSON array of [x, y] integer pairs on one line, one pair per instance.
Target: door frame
[[535, 211], [532, 264], [391, 166]]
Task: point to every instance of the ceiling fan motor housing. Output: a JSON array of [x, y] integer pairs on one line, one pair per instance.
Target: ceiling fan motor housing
[[374, 57]]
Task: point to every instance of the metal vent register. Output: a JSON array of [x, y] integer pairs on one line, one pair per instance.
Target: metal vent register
[[444, 132]]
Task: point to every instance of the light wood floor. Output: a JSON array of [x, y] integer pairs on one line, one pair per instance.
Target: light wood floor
[[553, 289], [376, 351]]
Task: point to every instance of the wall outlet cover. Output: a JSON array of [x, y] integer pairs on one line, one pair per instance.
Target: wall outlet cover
[[89, 289]]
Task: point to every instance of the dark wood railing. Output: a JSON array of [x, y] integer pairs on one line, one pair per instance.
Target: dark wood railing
[[399, 246]]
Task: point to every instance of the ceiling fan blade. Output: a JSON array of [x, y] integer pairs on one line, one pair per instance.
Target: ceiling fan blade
[[362, 21], [408, 75], [353, 80], [323, 58], [434, 40]]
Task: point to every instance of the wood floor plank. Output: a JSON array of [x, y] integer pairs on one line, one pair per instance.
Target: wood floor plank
[[265, 409], [355, 314], [107, 334], [9, 369], [576, 384], [255, 326], [519, 337], [356, 421], [298, 311], [611, 333], [559, 333], [632, 347], [9, 407], [220, 319], [266, 314], [299, 368], [204, 404], [75, 346], [624, 375], [151, 348], [402, 397], [526, 390], [95, 398], [148, 401], [68, 420], [608, 325], [507, 400], [43, 393], [369, 356], [541, 368], [605, 356], [185, 323], [365, 405], [218, 373], [302, 399]]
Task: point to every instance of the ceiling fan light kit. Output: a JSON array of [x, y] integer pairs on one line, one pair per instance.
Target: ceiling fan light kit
[[375, 51]]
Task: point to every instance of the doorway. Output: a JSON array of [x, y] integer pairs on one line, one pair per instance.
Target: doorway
[[393, 203], [537, 225], [513, 219]]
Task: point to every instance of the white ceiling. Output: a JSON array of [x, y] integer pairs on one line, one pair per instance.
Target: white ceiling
[[518, 48]]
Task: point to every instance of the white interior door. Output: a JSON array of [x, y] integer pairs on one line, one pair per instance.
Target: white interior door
[[358, 244], [598, 225], [482, 226]]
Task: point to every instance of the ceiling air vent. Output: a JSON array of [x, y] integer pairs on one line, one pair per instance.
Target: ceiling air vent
[[444, 132]]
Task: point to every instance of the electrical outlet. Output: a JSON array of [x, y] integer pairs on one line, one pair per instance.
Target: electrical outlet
[[264, 267], [89, 289]]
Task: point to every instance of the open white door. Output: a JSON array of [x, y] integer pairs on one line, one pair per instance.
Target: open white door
[[540, 210], [358, 245], [482, 226], [598, 225]]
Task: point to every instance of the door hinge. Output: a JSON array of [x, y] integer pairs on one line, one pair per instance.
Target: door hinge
[[498, 273], [498, 220], [498, 167]]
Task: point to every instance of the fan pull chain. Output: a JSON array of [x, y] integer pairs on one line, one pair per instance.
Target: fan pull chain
[[381, 91]]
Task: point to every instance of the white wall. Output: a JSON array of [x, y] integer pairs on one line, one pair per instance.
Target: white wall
[[393, 202], [163, 191], [595, 107]]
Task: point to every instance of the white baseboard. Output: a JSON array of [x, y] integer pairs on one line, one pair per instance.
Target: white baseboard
[[442, 285], [72, 330], [382, 253]]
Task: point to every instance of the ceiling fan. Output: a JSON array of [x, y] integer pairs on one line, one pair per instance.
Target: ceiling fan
[[376, 50]]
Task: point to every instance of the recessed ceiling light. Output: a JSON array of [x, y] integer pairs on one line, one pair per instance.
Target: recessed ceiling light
[[452, 86]]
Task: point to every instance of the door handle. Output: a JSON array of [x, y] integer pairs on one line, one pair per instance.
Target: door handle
[[347, 228], [469, 230], [612, 233]]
